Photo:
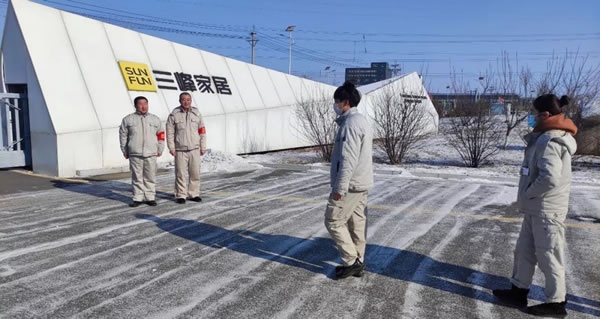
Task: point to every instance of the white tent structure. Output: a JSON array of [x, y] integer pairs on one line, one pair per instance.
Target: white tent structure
[[410, 88], [80, 76]]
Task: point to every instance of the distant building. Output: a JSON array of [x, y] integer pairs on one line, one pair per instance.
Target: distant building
[[378, 71], [498, 102]]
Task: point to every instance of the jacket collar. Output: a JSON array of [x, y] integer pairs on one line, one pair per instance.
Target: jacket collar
[[192, 110], [342, 118], [556, 122]]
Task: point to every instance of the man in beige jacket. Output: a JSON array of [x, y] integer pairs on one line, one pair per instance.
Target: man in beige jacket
[[186, 140], [142, 140], [351, 179]]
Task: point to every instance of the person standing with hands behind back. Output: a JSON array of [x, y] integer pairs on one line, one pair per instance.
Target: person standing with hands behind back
[[351, 179], [186, 140], [543, 197]]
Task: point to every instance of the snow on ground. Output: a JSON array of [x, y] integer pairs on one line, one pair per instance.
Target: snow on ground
[[436, 156], [219, 162]]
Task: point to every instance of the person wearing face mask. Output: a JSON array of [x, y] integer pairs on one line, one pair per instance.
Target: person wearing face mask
[[543, 198], [351, 178], [142, 141]]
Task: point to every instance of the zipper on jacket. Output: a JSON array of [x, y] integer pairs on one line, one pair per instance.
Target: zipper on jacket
[[143, 135]]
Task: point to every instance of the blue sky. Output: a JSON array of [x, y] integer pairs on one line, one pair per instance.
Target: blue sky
[[427, 36]]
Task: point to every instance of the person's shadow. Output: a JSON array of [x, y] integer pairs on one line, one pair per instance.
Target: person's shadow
[[318, 254], [113, 190]]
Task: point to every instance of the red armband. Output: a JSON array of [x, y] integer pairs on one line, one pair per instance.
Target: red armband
[[202, 130], [160, 135]]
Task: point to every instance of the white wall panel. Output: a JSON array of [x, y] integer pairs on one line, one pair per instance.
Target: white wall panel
[[111, 150], [44, 154], [14, 51], [245, 86], [284, 90], [126, 44], [297, 87], [100, 71], [281, 131], [162, 57], [237, 128], [56, 68], [216, 65], [79, 151], [192, 62], [39, 118], [216, 132], [266, 88]]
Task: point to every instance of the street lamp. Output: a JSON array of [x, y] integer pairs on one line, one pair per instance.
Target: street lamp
[[290, 29], [447, 102]]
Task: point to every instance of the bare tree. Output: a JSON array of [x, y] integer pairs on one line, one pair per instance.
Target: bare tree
[[581, 83], [316, 122], [474, 134], [510, 85], [551, 78], [401, 120]]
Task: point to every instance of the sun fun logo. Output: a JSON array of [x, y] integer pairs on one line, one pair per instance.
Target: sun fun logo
[[139, 77]]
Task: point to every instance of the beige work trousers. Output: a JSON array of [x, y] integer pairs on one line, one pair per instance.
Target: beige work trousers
[[542, 242], [187, 164], [346, 221], [143, 177]]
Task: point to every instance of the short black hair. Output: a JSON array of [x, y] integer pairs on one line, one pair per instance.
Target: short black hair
[[137, 99], [184, 93], [347, 92], [550, 103]]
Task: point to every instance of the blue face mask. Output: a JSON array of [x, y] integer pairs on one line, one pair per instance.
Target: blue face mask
[[531, 121], [336, 109]]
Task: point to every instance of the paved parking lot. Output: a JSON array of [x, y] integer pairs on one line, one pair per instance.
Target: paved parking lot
[[256, 247]]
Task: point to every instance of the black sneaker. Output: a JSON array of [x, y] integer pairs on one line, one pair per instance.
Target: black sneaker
[[355, 270], [180, 200], [196, 199], [151, 203], [514, 296], [135, 204], [551, 309]]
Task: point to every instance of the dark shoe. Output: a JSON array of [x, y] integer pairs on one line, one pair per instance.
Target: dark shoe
[[180, 200], [551, 309], [151, 203], [359, 274], [196, 199], [515, 296], [135, 204], [355, 269]]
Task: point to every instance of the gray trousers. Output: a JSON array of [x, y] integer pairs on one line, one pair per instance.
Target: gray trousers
[[187, 164], [542, 242], [346, 221], [143, 177]]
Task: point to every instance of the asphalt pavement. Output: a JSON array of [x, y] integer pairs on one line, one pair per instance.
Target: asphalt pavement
[[256, 247]]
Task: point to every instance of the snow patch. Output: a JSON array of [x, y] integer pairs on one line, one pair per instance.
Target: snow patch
[[217, 161]]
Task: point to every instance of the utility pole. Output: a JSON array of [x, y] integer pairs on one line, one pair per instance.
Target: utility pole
[[253, 41], [290, 29]]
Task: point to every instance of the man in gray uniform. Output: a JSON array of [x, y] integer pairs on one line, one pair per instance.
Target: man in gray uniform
[[186, 140], [142, 140], [351, 179]]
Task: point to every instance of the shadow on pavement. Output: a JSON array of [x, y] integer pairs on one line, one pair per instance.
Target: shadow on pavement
[[316, 254], [113, 190]]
